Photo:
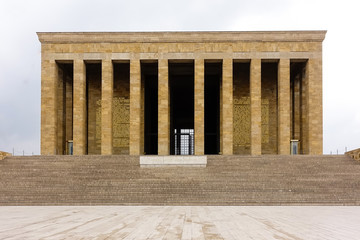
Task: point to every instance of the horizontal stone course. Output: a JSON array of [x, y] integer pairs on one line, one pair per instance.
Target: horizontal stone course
[[107, 48]]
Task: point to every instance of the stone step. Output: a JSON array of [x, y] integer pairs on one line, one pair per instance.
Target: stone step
[[227, 180]]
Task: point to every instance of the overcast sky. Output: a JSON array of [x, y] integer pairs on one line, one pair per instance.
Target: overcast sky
[[20, 50]]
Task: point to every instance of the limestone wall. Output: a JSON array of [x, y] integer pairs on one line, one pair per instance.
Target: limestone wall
[[121, 109], [94, 107], [256, 47]]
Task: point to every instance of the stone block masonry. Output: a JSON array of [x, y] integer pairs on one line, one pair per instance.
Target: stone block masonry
[[267, 92]]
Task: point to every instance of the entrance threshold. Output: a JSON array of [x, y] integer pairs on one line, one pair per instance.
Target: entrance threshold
[[173, 161]]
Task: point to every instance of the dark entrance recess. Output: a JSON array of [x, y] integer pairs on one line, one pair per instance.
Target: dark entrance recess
[[65, 106], [213, 75], [149, 78], [181, 83]]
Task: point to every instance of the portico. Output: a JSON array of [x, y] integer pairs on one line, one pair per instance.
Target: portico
[[193, 93]]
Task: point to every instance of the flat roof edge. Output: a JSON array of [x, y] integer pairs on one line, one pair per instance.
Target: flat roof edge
[[177, 36]]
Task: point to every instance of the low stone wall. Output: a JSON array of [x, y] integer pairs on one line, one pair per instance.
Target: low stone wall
[[178, 160], [354, 154], [4, 155]]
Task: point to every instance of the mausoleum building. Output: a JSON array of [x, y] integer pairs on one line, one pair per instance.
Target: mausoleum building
[[181, 93]]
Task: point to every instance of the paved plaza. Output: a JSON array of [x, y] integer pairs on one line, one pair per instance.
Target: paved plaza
[[188, 222]]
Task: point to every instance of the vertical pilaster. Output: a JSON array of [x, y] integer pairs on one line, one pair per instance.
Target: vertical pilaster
[[255, 106], [49, 76], [80, 118], [163, 108], [135, 107], [199, 106], [284, 106], [227, 107], [314, 106], [107, 86]]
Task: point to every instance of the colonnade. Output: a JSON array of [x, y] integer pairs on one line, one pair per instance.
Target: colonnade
[[311, 117]]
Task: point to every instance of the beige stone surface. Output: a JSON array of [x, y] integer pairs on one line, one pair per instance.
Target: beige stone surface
[[135, 107], [284, 106], [107, 90], [163, 108], [199, 104], [190, 222], [227, 107], [93, 108], [80, 122], [315, 113], [121, 108], [163, 161], [255, 106], [49, 76], [270, 127], [262, 37]]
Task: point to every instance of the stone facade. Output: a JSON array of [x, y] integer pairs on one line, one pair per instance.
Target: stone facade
[[268, 90]]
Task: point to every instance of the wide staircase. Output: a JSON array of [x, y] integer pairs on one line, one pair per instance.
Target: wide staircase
[[227, 180]]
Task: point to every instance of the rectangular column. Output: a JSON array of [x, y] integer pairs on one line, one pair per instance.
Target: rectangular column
[[80, 116], [199, 106], [227, 107], [163, 108], [314, 106], [284, 106], [49, 76], [107, 89], [255, 106], [135, 107]]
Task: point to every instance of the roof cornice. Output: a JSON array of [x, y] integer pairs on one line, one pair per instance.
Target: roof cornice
[[178, 37]]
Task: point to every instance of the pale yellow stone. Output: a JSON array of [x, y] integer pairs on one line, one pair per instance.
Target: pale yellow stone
[[107, 86], [315, 114], [163, 108], [49, 77], [284, 106], [255, 106], [199, 106], [305, 123], [135, 107], [80, 116], [227, 107]]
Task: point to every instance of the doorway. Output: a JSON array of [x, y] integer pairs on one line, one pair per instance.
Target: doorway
[[181, 83]]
